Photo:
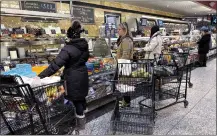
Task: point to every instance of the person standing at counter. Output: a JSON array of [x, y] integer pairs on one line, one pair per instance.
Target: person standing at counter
[[154, 46], [73, 57], [124, 51], [204, 46]]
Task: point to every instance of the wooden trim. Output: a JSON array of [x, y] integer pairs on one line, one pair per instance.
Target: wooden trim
[[119, 9]]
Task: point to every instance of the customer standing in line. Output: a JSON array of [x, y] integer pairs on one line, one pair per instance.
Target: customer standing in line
[[154, 45], [73, 57], [204, 46], [124, 51], [153, 49]]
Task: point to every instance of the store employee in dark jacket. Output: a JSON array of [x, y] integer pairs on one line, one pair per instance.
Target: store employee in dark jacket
[[73, 57], [203, 46]]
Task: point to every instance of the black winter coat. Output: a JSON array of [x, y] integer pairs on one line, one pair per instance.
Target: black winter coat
[[73, 56], [204, 44]]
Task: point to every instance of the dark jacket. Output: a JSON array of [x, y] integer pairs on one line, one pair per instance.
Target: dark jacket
[[73, 56], [203, 44]]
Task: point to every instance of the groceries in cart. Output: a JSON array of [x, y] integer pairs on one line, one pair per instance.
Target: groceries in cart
[[123, 88], [28, 110], [42, 88], [128, 69], [163, 71], [141, 72], [169, 64]]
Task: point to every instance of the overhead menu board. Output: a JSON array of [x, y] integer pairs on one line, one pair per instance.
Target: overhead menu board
[[38, 6], [85, 15]]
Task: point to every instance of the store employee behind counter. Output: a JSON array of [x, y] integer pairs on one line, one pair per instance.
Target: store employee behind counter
[[73, 57]]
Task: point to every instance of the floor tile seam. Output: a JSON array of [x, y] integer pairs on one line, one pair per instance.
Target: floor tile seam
[[188, 112]]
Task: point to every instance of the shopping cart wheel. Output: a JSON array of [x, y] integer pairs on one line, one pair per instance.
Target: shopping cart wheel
[[54, 130], [190, 85], [185, 103]]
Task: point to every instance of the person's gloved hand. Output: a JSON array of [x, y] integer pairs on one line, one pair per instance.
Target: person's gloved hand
[[41, 76]]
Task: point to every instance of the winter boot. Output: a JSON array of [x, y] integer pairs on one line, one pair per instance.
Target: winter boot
[[80, 122]]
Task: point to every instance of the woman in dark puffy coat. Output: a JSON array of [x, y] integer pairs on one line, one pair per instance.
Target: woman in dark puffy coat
[[73, 57], [204, 46]]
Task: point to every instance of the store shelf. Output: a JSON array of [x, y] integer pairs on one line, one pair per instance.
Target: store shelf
[[32, 43]]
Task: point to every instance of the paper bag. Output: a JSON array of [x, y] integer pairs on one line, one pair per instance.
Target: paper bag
[[124, 67]]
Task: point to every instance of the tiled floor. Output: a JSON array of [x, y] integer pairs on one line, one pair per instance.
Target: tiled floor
[[198, 119]]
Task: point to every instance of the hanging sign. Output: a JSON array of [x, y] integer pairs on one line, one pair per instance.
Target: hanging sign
[[38, 6], [85, 15]]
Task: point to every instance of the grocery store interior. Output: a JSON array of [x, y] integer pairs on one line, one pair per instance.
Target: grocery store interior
[[46, 78]]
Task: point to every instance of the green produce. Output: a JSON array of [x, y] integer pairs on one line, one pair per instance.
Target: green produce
[[140, 73]]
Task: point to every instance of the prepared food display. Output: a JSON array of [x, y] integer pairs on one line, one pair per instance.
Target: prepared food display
[[98, 64]]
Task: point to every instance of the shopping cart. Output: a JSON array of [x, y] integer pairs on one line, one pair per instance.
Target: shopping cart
[[135, 81], [170, 81], [38, 110], [190, 62]]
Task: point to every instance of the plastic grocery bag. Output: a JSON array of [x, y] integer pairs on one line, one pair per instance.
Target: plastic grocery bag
[[36, 81], [124, 67], [40, 95], [125, 88], [33, 82], [50, 80]]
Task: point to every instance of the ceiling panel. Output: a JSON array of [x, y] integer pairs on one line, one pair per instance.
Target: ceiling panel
[[186, 8]]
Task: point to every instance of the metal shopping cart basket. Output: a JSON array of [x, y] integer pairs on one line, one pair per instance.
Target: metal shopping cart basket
[[135, 81], [171, 84], [27, 110]]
